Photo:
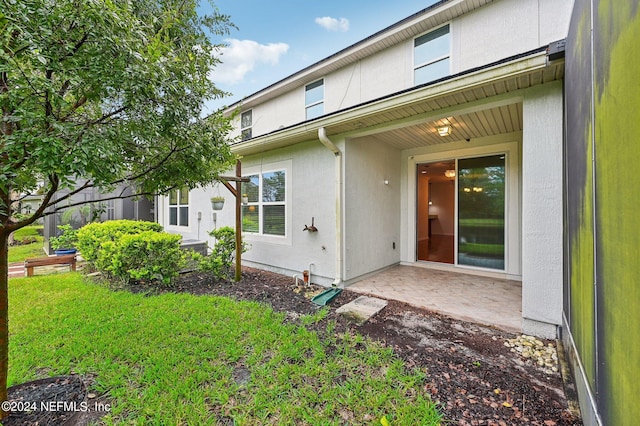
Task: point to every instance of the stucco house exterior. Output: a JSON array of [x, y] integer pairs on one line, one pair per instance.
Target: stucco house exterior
[[457, 139], [352, 143]]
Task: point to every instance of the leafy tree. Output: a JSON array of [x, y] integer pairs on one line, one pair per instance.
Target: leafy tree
[[97, 93]]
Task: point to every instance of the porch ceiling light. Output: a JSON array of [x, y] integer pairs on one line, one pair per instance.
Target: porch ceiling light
[[450, 173], [444, 130]]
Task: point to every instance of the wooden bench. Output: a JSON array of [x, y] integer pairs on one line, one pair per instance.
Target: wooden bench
[[67, 259]]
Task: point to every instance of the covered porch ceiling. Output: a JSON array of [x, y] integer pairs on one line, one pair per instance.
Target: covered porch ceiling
[[476, 104], [463, 126]]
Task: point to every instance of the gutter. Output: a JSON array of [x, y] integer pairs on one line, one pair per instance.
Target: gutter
[[322, 135], [500, 70]]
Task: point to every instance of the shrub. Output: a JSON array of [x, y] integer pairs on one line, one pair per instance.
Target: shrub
[[145, 256], [93, 236], [221, 259], [132, 250], [66, 239]]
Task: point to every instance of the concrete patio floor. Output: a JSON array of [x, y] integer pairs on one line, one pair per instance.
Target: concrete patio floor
[[483, 300]]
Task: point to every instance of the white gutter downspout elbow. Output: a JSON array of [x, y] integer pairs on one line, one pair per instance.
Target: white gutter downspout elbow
[[322, 135]]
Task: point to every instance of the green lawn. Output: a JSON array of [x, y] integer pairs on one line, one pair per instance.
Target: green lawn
[[21, 252], [27, 251], [183, 359]]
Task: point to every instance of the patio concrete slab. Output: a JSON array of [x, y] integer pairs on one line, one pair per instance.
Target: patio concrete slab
[[483, 300], [362, 308]]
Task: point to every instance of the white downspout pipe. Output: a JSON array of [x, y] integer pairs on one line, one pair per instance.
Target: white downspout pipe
[[322, 135]]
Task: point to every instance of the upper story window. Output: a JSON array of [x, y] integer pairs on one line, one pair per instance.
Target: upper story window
[[265, 211], [431, 55], [179, 207], [246, 123], [314, 99]]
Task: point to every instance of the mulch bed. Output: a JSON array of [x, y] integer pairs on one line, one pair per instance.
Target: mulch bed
[[471, 374], [51, 401]]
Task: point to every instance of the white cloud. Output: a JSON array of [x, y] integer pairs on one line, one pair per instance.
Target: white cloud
[[333, 24], [241, 56]]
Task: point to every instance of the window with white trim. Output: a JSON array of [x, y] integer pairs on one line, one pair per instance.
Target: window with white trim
[[314, 99], [179, 207], [266, 207], [246, 124], [431, 54]]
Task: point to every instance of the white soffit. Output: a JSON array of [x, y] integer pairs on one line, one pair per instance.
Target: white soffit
[[483, 103]]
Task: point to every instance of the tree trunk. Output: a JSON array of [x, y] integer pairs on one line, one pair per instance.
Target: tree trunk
[[4, 318]]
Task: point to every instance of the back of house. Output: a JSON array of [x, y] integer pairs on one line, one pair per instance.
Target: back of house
[[451, 141], [435, 142]]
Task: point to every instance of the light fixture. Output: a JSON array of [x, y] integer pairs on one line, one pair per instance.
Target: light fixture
[[444, 130], [450, 173]]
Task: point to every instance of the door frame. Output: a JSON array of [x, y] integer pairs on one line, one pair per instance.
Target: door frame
[[513, 203]]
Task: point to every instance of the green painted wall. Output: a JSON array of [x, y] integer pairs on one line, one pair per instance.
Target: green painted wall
[[617, 140], [579, 222], [604, 323]]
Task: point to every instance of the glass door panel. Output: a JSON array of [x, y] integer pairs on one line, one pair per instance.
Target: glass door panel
[[435, 211], [481, 211]]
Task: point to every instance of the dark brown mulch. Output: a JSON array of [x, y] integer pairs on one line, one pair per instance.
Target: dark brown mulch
[[471, 374], [51, 401]]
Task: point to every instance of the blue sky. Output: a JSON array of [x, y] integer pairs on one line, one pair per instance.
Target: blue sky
[[275, 39]]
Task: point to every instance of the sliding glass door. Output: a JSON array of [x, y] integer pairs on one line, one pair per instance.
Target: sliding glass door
[[481, 211], [462, 202]]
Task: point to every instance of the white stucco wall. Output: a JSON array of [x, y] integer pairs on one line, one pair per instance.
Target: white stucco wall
[[504, 28], [496, 31], [375, 76], [372, 208], [542, 254], [311, 194]]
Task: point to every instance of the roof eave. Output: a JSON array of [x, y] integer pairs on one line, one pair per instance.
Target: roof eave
[[440, 12], [502, 71]]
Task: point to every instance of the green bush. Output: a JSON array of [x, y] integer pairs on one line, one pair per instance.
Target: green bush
[[67, 238], [132, 250], [146, 256], [93, 236], [222, 257]]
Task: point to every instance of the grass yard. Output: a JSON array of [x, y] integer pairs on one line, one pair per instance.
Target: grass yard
[[21, 252], [184, 359]]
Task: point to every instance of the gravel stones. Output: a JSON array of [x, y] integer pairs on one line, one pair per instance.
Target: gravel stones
[[535, 351]]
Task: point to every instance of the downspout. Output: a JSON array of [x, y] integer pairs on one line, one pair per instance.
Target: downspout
[[322, 135]]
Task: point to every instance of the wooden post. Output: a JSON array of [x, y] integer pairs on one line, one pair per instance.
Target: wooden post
[[237, 192], [238, 221]]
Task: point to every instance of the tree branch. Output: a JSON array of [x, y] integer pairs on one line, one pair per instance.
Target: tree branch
[[54, 181], [121, 196]]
